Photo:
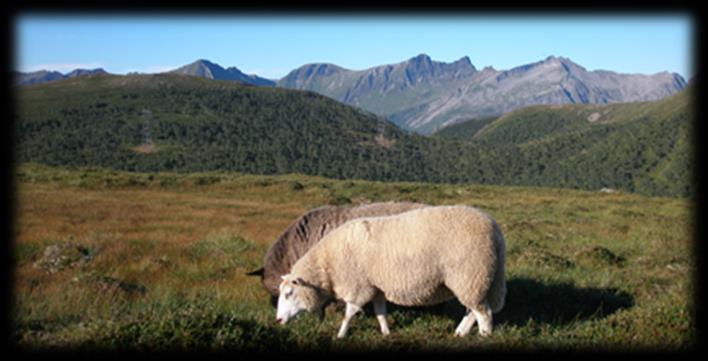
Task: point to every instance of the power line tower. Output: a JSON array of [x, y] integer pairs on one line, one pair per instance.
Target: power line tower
[[147, 115]]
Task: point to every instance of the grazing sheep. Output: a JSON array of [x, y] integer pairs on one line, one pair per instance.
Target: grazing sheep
[[307, 230], [420, 257]]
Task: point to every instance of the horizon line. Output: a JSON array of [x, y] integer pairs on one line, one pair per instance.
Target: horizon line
[[65, 69]]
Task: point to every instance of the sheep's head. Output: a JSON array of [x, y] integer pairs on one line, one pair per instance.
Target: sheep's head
[[296, 295]]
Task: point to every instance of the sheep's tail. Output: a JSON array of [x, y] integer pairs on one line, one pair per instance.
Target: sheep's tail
[[497, 291]]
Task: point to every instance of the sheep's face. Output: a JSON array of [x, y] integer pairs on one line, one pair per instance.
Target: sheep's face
[[292, 299]]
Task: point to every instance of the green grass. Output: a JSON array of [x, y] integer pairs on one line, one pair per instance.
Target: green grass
[[169, 251]]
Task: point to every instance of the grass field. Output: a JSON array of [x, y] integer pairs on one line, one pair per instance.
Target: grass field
[[159, 259]]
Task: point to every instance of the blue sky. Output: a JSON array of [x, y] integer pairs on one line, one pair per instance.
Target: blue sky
[[271, 46]]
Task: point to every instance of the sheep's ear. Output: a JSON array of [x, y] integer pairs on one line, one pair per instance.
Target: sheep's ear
[[258, 272], [284, 277]]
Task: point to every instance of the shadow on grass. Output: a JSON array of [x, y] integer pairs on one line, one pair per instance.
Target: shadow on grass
[[558, 304], [528, 299]]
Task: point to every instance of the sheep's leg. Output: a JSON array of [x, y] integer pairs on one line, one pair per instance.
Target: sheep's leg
[[319, 312], [483, 313], [466, 324], [351, 310], [380, 311]]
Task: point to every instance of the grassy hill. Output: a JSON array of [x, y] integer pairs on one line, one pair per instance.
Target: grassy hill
[[645, 147], [464, 130], [159, 259], [187, 124]]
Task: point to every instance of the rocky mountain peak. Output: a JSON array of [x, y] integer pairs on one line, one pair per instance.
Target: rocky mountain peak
[[420, 59], [463, 60], [206, 69], [204, 62], [463, 63]]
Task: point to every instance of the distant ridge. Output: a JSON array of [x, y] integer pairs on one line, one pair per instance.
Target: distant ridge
[[44, 76], [424, 95], [206, 69]]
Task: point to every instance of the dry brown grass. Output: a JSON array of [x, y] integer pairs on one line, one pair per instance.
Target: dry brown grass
[[192, 237], [143, 235]]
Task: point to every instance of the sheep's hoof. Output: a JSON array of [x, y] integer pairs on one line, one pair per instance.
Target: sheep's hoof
[[459, 332]]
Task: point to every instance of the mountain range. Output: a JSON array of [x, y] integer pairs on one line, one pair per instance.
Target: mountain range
[[44, 76], [424, 95]]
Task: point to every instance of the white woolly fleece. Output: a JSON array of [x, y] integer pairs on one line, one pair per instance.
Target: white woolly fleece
[[420, 257]]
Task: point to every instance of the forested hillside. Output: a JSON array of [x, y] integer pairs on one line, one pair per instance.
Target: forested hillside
[[645, 146], [181, 123]]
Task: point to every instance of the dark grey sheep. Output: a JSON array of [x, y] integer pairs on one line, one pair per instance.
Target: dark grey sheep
[[307, 230]]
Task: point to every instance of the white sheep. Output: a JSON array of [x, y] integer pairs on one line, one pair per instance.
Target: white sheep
[[420, 257]]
